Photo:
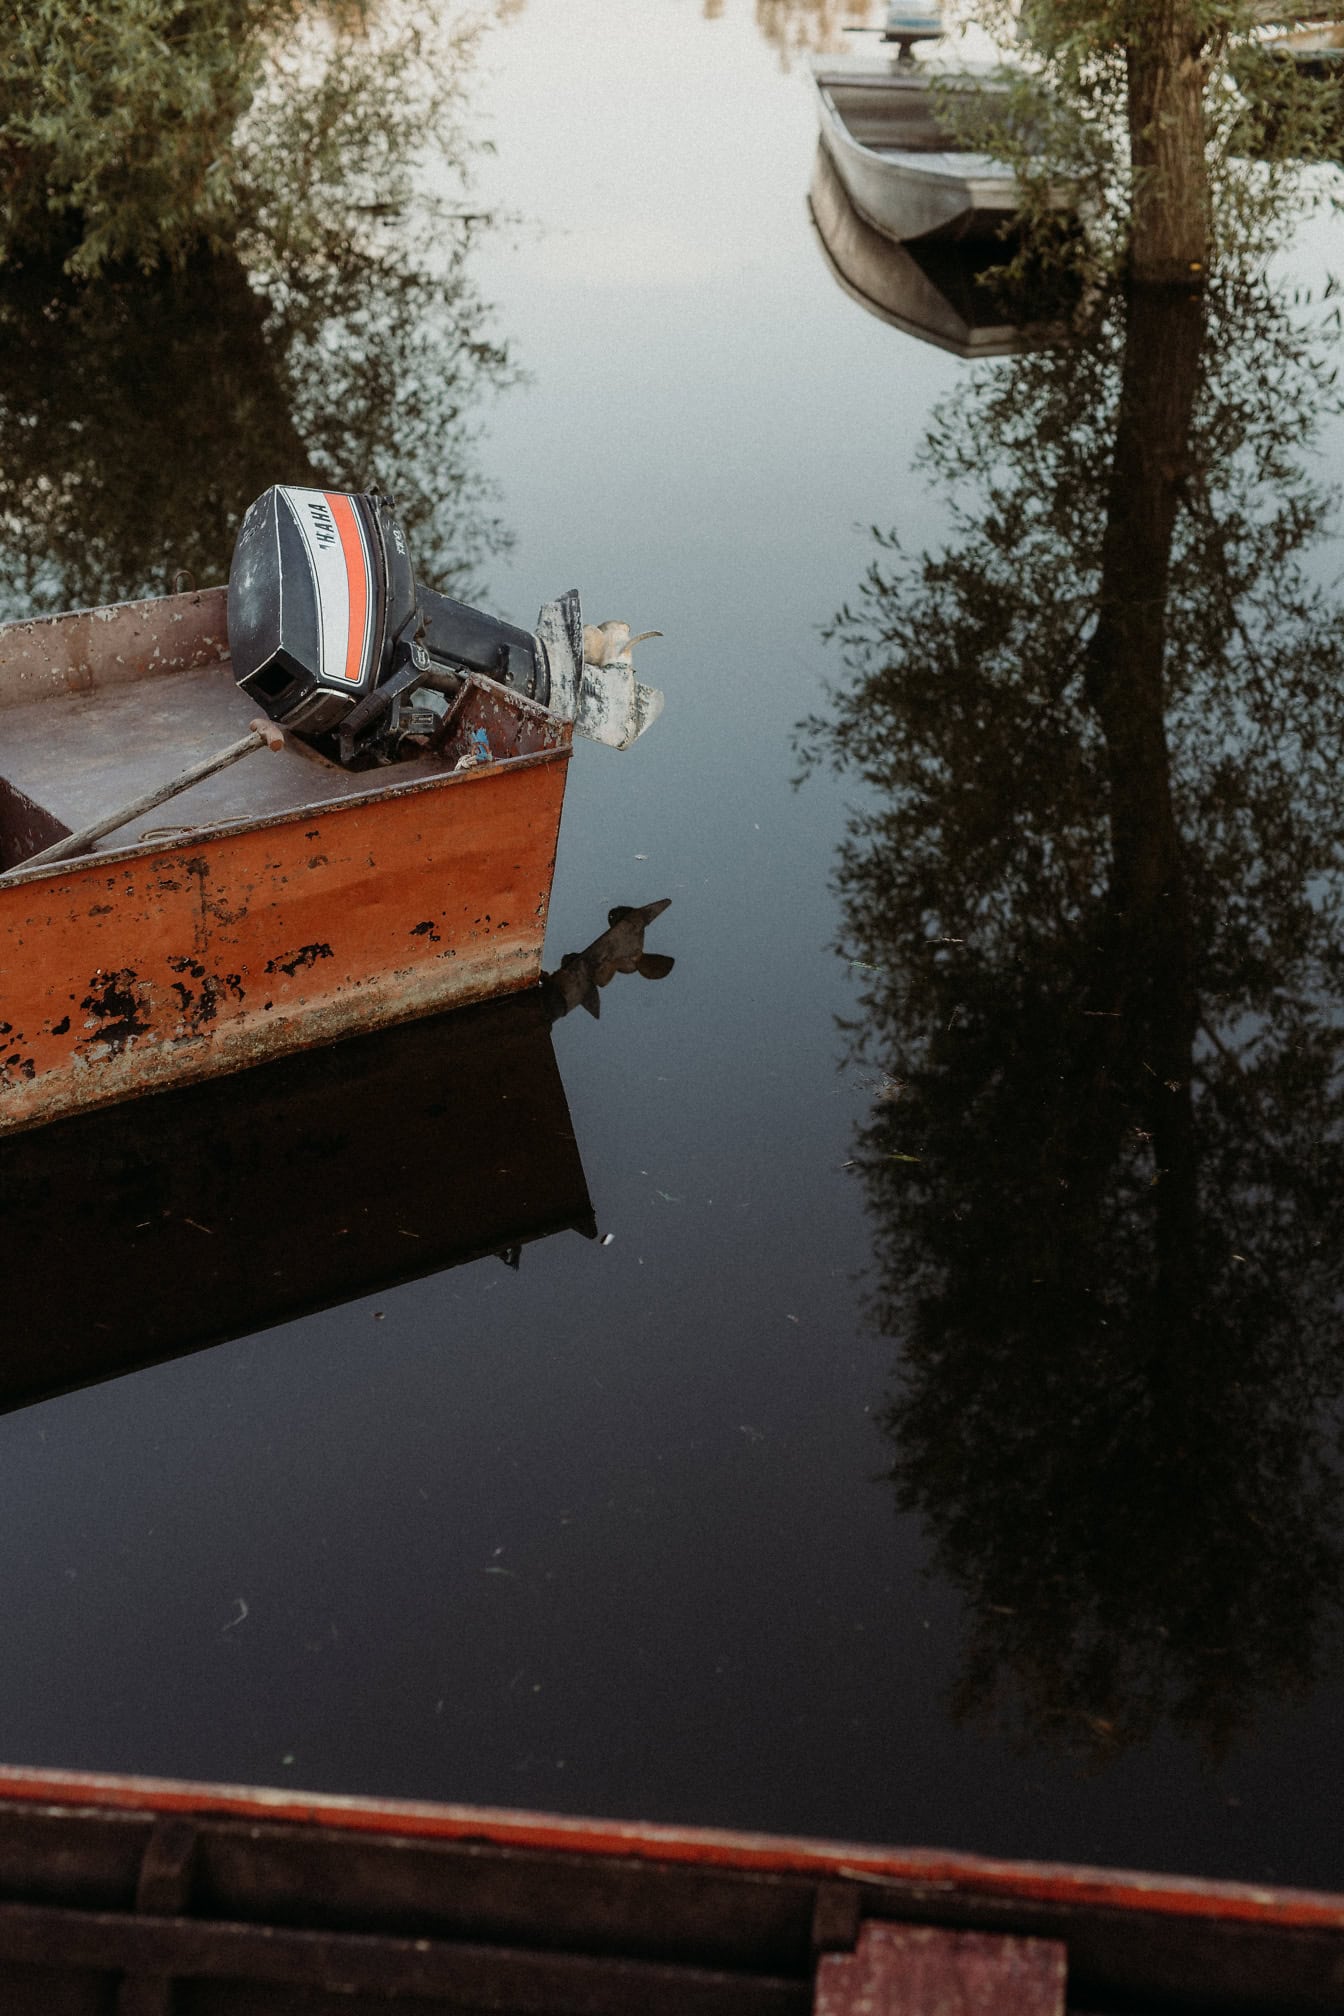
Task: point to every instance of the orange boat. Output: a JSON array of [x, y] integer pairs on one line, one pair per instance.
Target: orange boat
[[282, 902], [136, 1895]]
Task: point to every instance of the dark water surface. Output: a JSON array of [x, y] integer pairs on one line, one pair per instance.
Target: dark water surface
[[944, 1447]]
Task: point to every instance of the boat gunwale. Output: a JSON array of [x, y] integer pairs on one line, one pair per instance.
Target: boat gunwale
[[942, 177], [949, 1873], [999, 192], [189, 837], [193, 836]]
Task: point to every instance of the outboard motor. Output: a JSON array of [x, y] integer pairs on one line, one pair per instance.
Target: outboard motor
[[330, 634], [911, 21]]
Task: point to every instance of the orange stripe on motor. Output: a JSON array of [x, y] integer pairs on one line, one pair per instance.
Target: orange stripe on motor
[[352, 546]]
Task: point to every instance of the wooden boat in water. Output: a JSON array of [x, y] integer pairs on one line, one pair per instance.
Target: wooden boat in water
[[138, 1896], [905, 172], [934, 292], [284, 902]]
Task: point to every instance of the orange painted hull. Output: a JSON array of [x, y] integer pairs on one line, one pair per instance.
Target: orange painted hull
[[125, 974], [364, 903]]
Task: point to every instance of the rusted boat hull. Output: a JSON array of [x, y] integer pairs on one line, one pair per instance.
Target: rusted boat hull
[[135, 1895], [172, 958]]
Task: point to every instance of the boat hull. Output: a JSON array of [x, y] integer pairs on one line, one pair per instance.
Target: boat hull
[[123, 1892], [884, 142], [169, 960], [891, 140], [914, 204], [888, 281]]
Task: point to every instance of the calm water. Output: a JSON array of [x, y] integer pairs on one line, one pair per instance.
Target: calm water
[[942, 1449]]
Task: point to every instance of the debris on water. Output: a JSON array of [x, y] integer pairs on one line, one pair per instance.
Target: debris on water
[[242, 1613]]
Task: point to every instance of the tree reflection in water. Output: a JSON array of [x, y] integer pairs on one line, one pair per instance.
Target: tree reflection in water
[[340, 340], [1097, 891], [801, 28]]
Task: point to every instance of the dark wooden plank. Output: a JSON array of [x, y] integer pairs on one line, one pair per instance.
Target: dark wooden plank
[[837, 1914], [164, 1885], [145, 1995], [1130, 1960], [458, 1975], [164, 1889], [909, 1970], [1135, 1942], [657, 1911], [59, 1855], [55, 1991]]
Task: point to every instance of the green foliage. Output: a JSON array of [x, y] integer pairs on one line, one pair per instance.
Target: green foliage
[[142, 131], [328, 332], [117, 124], [1067, 115]]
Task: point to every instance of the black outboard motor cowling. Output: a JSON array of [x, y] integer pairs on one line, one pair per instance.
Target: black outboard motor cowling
[[327, 629]]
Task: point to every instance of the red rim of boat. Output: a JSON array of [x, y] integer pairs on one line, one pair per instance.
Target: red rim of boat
[[1117, 1889]]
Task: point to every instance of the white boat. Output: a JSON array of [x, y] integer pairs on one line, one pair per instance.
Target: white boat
[[904, 171], [935, 293]]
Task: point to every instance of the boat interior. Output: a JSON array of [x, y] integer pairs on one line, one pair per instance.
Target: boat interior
[[888, 113], [100, 706]]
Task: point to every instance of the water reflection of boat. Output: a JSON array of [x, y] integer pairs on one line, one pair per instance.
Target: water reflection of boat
[[936, 292], [225, 1207], [283, 902], [904, 170], [235, 1204], [148, 1894]]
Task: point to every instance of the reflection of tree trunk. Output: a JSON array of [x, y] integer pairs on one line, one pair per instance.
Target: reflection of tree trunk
[[1170, 227], [1150, 981]]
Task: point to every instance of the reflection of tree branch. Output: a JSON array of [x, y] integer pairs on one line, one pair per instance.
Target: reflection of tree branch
[[333, 336], [1115, 1281]]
